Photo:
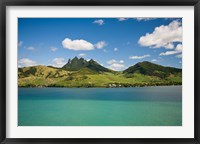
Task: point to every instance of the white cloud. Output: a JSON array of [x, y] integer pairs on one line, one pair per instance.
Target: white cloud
[[169, 53], [59, 62], [115, 49], [100, 44], [143, 18], [154, 60], [177, 50], [31, 48], [82, 55], [179, 56], [163, 36], [81, 44], [99, 22], [169, 46], [53, 49], [179, 47], [20, 43], [139, 57], [116, 66], [122, 19], [121, 61], [111, 61], [138, 19], [24, 62], [77, 44]]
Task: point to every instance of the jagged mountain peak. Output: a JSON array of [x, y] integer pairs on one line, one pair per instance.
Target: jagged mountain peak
[[79, 63]]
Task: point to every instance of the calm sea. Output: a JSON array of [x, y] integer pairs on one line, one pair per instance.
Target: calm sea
[[141, 106]]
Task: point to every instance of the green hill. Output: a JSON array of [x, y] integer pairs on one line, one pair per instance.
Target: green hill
[[151, 69], [82, 73], [41, 71]]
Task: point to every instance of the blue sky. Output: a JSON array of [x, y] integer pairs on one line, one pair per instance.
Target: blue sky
[[116, 43]]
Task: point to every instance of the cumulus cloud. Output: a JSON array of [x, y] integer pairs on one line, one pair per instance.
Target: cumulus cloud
[[177, 50], [143, 18], [163, 36], [31, 48], [100, 44], [139, 57], [179, 47], [82, 55], [99, 22], [59, 62], [122, 19], [81, 44], [116, 65], [20, 43], [77, 44], [53, 49], [115, 49], [24, 62]]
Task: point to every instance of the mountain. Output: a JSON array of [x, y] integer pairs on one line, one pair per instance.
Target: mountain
[[78, 64], [151, 69], [75, 64], [81, 73]]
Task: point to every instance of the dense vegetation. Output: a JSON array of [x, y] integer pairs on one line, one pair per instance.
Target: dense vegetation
[[77, 64], [82, 73]]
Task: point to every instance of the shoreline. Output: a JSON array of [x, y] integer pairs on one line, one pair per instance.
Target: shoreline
[[96, 87]]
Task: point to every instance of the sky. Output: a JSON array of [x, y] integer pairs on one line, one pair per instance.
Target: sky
[[115, 43]]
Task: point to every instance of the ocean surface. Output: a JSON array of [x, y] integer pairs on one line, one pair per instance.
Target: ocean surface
[[138, 106]]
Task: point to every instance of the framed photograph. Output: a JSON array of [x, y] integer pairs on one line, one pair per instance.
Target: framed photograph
[[99, 71]]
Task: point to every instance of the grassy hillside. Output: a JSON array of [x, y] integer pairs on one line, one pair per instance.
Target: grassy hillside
[[151, 69], [139, 75]]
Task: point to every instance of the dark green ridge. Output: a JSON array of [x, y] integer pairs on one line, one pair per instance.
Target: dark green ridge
[[77, 64]]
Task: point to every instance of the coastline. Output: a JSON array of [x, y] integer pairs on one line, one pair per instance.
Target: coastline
[[96, 86]]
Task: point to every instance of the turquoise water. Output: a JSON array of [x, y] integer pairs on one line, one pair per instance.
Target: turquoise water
[[141, 106]]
